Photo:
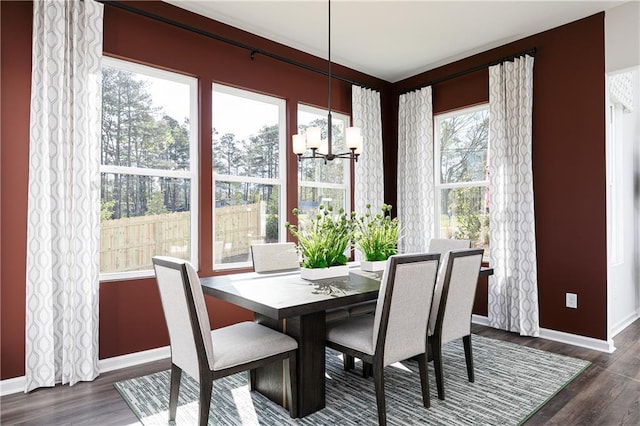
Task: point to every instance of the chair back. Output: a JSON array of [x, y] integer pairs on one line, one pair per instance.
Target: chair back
[[276, 257], [443, 245], [185, 314], [400, 324], [453, 319]]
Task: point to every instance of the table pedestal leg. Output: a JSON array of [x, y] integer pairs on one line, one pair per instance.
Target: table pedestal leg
[[271, 381]]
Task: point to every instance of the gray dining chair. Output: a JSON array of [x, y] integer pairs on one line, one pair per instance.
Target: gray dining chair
[[398, 330], [208, 355], [436, 245], [443, 245], [274, 257], [452, 306]]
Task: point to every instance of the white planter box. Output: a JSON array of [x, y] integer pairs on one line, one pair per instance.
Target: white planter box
[[323, 273], [373, 266]]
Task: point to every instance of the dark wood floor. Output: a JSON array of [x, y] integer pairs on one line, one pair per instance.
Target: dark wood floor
[[607, 393]]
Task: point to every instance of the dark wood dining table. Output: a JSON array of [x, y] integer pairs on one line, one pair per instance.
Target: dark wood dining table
[[297, 307]]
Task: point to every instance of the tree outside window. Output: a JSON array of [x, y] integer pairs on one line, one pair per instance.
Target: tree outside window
[[248, 139], [462, 180], [147, 181]]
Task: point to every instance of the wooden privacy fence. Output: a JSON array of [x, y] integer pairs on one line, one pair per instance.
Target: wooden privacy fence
[[237, 227], [128, 244]]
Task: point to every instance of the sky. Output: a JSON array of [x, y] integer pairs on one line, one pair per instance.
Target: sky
[[231, 114]]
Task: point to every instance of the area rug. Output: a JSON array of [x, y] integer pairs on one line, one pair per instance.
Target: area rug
[[511, 383]]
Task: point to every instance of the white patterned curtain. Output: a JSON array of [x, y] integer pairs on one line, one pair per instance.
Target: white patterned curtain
[[416, 193], [369, 170], [513, 289], [63, 227]]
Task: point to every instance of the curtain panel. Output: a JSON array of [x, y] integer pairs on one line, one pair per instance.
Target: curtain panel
[[63, 227], [369, 171], [416, 192], [513, 289]]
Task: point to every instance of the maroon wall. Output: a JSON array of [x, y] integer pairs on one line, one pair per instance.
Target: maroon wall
[[15, 86], [568, 163], [130, 315]]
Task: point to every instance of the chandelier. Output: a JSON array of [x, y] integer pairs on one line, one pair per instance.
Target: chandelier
[[322, 148]]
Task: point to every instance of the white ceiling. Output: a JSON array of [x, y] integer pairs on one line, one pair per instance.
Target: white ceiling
[[393, 40]]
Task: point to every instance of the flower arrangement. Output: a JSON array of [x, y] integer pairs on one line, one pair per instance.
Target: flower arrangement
[[376, 236], [324, 237]]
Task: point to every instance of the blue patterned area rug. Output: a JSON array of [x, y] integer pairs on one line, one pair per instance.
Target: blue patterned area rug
[[511, 383]]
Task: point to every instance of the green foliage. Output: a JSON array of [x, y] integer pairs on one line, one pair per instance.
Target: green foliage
[[135, 133], [156, 205], [324, 238], [376, 236], [271, 228], [106, 209], [471, 223]]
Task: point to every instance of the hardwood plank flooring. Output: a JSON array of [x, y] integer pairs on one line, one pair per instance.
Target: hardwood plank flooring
[[606, 394]]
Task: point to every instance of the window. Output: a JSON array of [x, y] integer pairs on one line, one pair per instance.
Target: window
[[249, 173], [462, 182], [321, 183], [148, 168]]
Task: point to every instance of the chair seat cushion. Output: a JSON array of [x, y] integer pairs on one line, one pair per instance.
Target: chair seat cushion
[[355, 333], [245, 342]]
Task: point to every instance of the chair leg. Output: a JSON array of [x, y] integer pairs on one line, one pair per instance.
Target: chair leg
[[424, 380], [366, 369], [436, 345], [348, 361], [293, 381], [468, 357], [378, 378], [252, 379], [206, 383], [174, 388]]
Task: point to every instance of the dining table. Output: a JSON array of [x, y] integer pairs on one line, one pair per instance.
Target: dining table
[[288, 303]]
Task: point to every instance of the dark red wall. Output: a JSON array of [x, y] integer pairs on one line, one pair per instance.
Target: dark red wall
[[568, 163], [569, 166], [15, 86], [130, 314]]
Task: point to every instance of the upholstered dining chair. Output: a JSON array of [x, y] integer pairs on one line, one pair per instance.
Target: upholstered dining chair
[[208, 355], [275, 257], [436, 245], [443, 245], [451, 309], [398, 330]]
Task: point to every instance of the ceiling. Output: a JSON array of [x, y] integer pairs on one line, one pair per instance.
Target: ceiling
[[393, 40]]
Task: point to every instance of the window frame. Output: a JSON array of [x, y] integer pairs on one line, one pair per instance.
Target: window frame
[[438, 185], [348, 170], [191, 174], [280, 181]]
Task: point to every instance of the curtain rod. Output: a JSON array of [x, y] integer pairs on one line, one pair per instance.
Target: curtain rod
[[253, 50], [530, 52]]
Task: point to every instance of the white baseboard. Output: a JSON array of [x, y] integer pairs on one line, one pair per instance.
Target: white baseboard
[[17, 384], [624, 323], [14, 385], [562, 337], [136, 358]]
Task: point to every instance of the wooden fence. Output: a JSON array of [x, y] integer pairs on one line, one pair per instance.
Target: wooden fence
[[128, 244]]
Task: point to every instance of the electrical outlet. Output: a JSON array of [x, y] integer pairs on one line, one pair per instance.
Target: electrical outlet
[[572, 300]]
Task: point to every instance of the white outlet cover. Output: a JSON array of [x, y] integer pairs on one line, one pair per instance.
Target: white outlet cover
[[572, 300]]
